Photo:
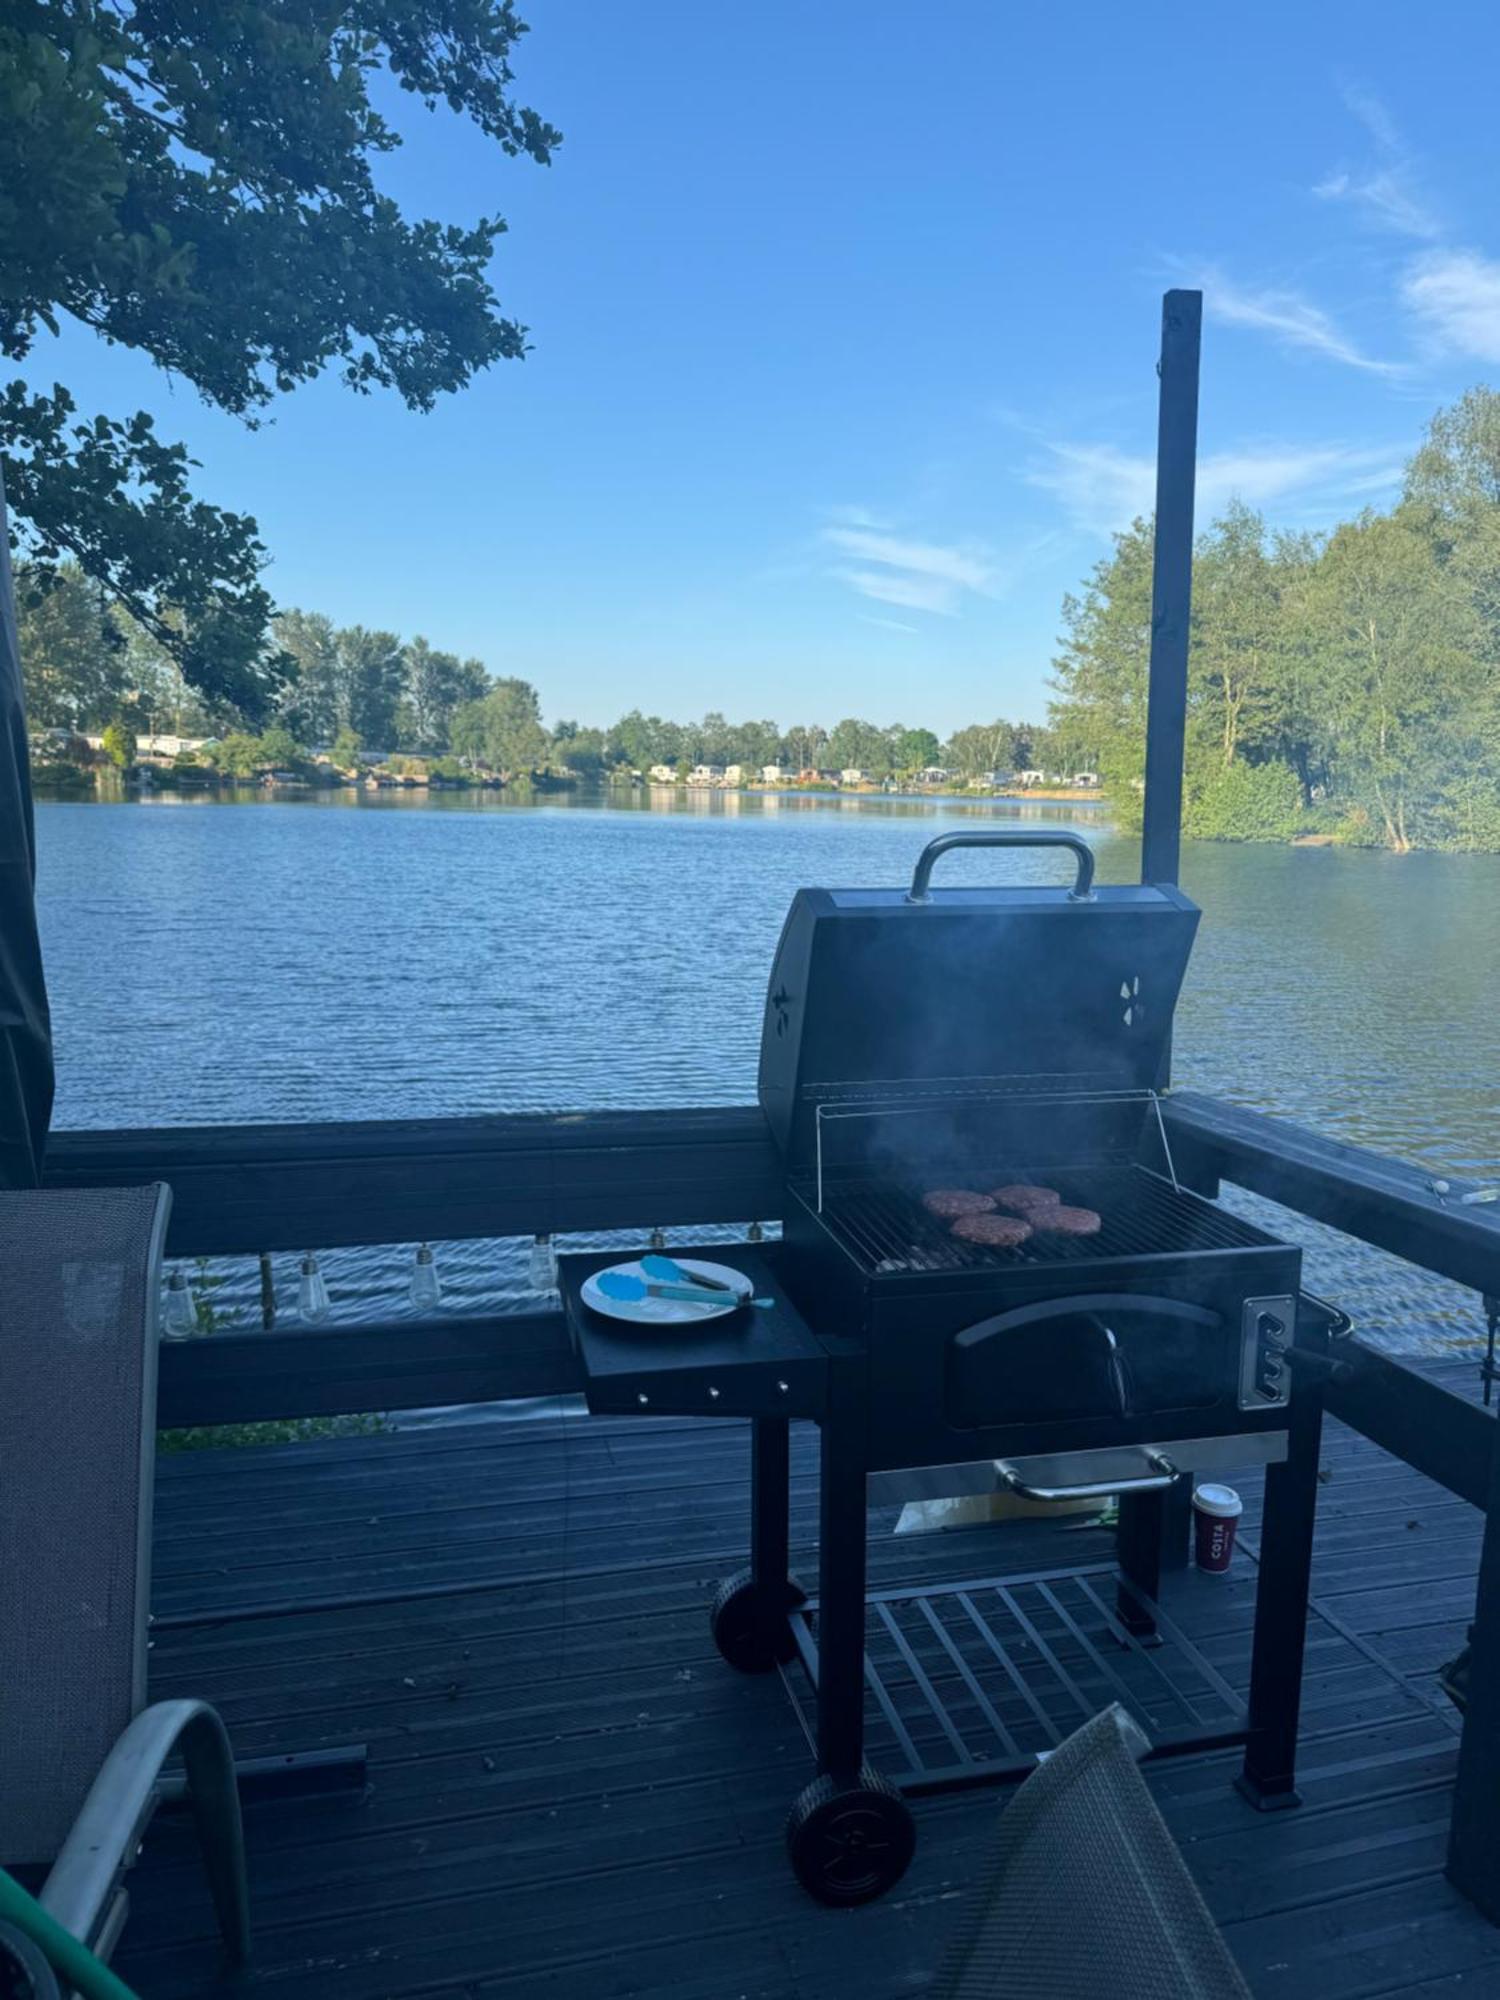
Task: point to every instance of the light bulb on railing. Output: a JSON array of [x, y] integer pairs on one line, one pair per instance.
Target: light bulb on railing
[[179, 1313], [658, 1238], [541, 1268], [313, 1302], [424, 1291], [755, 1233]]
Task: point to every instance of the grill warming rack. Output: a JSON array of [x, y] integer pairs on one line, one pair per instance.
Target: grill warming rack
[[839, 1104]]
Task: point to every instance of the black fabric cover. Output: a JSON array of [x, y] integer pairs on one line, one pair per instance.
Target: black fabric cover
[[1085, 1896], [25, 1025]]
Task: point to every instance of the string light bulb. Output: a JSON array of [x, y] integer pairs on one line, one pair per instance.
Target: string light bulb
[[542, 1266], [179, 1314], [313, 1302], [424, 1291]]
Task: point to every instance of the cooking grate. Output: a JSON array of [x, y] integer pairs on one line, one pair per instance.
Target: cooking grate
[[969, 1682], [887, 1231]]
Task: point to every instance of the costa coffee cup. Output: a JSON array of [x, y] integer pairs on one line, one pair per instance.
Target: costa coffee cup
[[1216, 1515]]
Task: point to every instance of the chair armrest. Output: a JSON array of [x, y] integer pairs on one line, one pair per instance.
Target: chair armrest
[[119, 1806]]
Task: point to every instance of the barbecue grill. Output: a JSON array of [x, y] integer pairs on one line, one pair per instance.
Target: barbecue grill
[[965, 1038]]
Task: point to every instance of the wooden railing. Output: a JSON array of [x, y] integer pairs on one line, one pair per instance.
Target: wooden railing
[[244, 1189], [262, 1188]]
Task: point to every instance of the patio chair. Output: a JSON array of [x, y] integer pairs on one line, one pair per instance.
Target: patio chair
[[1085, 1896], [81, 1755]]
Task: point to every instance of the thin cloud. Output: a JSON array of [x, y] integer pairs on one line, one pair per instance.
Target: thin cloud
[[1103, 489], [1292, 319], [960, 565], [890, 624], [1386, 193], [1385, 197], [918, 576], [1373, 115], [1456, 296], [913, 593]]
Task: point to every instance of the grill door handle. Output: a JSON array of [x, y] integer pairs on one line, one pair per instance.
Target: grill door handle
[[1081, 892], [1101, 1305], [1163, 1474]]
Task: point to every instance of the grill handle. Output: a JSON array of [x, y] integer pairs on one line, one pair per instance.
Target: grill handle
[[1082, 890], [1163, 1473]]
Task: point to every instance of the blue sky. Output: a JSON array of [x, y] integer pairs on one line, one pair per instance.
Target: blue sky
[[845, 318]]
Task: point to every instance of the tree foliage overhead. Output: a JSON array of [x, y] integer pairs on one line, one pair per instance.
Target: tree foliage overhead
[[198, 182]]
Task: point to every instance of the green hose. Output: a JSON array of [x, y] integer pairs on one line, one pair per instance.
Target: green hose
[[77, 1964]]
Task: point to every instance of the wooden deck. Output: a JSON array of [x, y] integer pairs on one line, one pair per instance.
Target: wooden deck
[[570, 1794]]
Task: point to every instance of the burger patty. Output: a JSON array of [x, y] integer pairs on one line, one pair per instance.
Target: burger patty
[[949, 1202], [999, 1232], [1059, 1220], [1022, 1198]]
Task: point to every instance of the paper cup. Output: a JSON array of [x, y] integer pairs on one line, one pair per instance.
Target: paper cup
[[1216, 1515]]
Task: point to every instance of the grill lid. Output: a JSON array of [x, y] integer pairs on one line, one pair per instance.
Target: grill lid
[[968, 991]]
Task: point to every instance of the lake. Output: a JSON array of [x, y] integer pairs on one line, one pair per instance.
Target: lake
[[388, 956]]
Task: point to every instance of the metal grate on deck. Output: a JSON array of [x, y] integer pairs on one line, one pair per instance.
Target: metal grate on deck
[[969, 1683], [887, 1230]]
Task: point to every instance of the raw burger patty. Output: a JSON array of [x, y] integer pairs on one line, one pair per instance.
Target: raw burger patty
[[1000, 1232], [1023, 1198], [949, 1202], [1060, 1220]]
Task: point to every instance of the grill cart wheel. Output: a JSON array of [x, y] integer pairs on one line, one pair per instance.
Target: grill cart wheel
[[736, 1625], [850, 1843]]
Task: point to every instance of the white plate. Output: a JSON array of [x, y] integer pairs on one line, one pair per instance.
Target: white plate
[[667, 1312]]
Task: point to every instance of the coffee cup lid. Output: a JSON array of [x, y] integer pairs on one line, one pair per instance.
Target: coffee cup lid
[[1220, 1500]]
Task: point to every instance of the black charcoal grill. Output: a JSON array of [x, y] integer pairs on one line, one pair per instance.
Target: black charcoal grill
[[1174, 1318], [969, 1037]]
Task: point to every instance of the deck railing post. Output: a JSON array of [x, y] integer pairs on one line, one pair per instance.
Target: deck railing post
[[1166, 697], [1474, 1836], [1171, 583]]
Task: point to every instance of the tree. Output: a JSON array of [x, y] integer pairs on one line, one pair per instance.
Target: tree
[[346, 749], [373, 669], [119, 745], [437, 684], [238, 754], [983, 746], [915, 750], [1453, 493], [503, 730], [72, 653], [1236, 619], [316, 701], [1399, 644], [1100, 671], [584, 752], [278, 749], [201, 188], [856, 745], [803, 746]]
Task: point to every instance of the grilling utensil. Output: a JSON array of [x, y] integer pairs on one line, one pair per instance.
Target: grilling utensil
[[629, 1290]]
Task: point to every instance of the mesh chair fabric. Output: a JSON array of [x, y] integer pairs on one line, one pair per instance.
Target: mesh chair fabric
[[1085, 1895], [78, 1314]]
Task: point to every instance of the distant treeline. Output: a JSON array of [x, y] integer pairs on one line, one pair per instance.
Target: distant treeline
[[362, 692], [1343, 685], [1346, 684]]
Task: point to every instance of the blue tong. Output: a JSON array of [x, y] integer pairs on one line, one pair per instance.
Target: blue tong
[[666, 1279]]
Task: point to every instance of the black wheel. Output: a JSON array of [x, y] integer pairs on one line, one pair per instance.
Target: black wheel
[[24, 1971], [738, 1631], [850, 1843]]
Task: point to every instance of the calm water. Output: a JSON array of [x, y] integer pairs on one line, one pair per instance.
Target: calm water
[[385, 958]]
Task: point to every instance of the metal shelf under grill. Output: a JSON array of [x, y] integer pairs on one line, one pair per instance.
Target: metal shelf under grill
[[888, 1232], [969, 1683]]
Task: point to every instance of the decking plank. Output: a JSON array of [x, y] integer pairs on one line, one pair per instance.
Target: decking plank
[[571, 1794]]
